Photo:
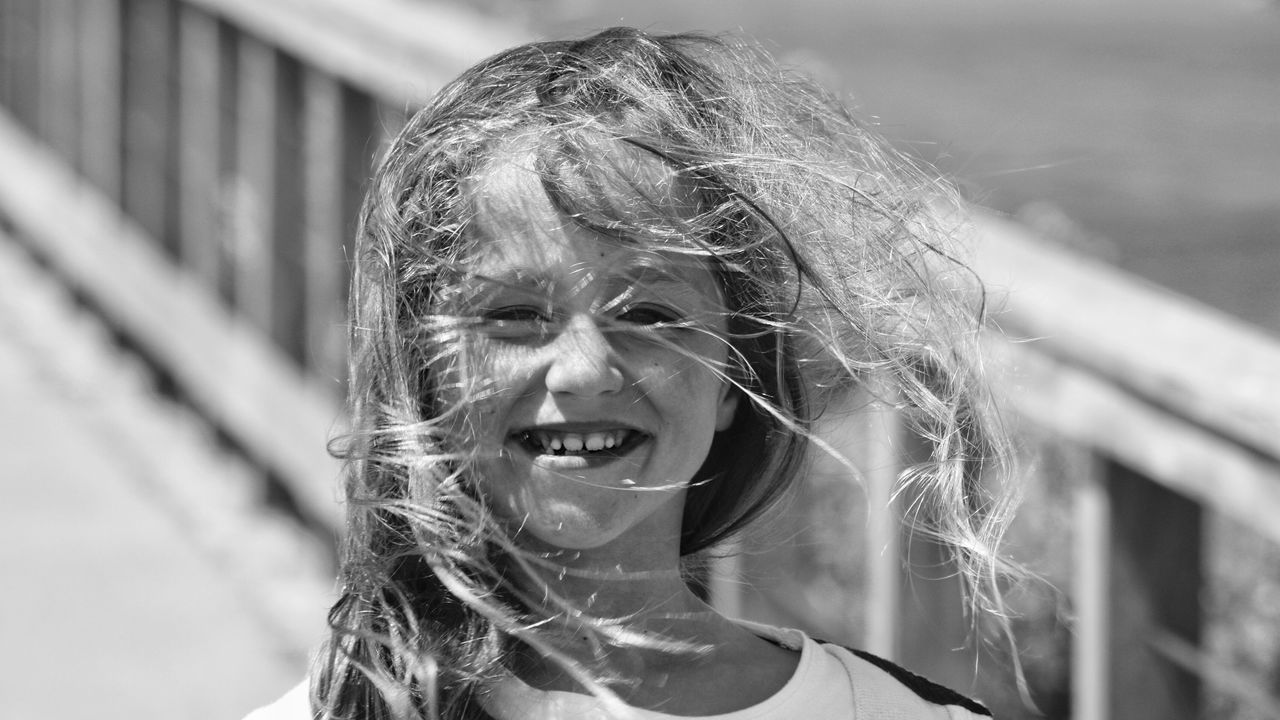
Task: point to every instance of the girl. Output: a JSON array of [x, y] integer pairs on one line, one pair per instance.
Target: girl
[[603, 291]]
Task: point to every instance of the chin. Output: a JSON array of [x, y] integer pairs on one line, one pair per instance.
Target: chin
[[629, 523], [567, 529]]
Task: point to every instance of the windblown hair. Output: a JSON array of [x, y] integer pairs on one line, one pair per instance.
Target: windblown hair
[[835, 259]]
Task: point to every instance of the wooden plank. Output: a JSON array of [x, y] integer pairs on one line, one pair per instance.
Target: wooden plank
[[934, 631], [1156, 582], [1091, 595], [288, 228], [359, 122], [1198, 363], [881, 459], [226, 370], [400, 51], [228, 152], [199, 118], [171, 230], [391, 120], [7, 18], [22, 49], [101, 78], [253, 200], [359, 129], [59, 101], [146, 114], [1090, 410], [325, 264]]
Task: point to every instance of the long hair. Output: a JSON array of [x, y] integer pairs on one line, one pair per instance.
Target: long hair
[[836, 260]]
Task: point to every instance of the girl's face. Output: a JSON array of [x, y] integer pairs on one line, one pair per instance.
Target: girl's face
[[600, 367]]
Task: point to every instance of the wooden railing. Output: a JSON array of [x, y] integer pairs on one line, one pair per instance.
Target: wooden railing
[[196, 178], [212, 158], [1178, 404]]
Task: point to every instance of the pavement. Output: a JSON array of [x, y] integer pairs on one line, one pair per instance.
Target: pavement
[[143, 575]]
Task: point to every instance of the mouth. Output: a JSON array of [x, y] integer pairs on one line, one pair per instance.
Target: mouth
[[613, 442]]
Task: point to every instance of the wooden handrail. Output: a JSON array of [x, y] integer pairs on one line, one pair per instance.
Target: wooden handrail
[[1186, 358], [281, 419], [1176, 401], [399, 51], [1175, 389]]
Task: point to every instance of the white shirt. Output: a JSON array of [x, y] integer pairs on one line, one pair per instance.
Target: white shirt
[[819, 690], [830, 683]]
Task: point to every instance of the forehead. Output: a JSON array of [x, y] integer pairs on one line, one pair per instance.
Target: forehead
[[519, 235]]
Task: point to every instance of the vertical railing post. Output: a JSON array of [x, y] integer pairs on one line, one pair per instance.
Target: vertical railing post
[[359, 133], [1156, 578], [1090, 652], [101, 80], [200, 144], [228, 167], [6, 64], [881, 464], [391, 120], [7, 17], [325, 227], [148, 125], [255, 180], [21, 46], [287, 227], [934, 629], [1137, 568], [59, 105]]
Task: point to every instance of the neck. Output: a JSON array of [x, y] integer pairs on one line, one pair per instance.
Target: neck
[[614, 613], [638, 584]]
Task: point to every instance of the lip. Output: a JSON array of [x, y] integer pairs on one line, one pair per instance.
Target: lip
[[577, 426]]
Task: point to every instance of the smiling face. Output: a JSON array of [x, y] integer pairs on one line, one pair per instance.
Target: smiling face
[[600, 368]]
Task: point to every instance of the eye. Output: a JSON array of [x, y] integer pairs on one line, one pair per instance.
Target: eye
[[515, 314], [649, 315], [520, 322]]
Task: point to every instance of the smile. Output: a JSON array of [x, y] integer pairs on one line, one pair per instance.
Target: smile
[[616, 441]]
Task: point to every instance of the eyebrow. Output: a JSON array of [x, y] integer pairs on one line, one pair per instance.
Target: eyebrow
[[661, 271], [516, 278], [644, 270]]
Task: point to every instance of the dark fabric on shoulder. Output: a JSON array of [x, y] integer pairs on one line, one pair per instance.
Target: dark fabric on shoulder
[[925, 688], [928, 690]]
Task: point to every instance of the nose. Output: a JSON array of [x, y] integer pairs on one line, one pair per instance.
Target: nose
[[583, 361]]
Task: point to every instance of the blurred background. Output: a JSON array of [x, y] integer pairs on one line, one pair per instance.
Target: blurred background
[[178, 183]]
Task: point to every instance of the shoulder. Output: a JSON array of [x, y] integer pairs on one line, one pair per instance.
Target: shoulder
[[882, 689], [881, 685], [293, 705]]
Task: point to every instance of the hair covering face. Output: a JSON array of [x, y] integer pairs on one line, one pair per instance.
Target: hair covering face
[[834, 262]]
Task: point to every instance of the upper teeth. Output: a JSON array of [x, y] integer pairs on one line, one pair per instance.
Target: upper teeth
[[576, 442]]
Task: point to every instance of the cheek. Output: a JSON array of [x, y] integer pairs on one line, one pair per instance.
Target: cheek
[[697, 375], [498, 368], [467, 414], [484, 375], [693, 398]]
